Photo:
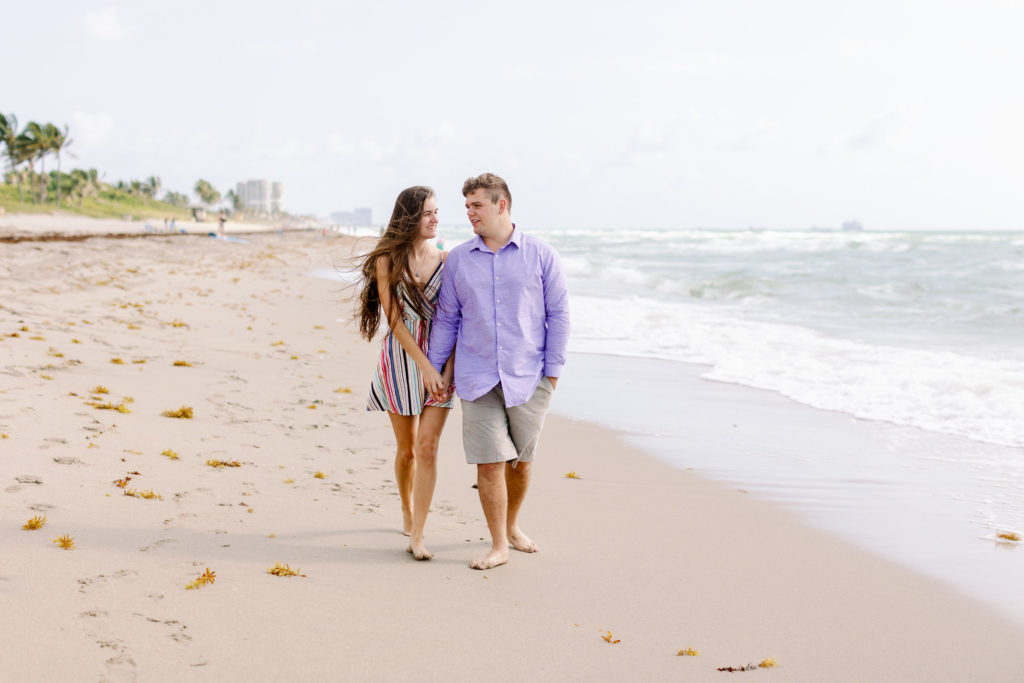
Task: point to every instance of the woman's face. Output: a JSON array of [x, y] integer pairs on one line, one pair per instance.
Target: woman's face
[[428, 221]]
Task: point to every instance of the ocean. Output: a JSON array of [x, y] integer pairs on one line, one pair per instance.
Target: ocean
[[918, 334]]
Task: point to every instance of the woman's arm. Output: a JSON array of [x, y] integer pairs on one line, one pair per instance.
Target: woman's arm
[[393, 312]]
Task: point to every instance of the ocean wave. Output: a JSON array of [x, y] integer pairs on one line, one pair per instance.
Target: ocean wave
[[942, 391]]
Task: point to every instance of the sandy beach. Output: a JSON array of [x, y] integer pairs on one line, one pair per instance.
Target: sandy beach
[[638, 560]]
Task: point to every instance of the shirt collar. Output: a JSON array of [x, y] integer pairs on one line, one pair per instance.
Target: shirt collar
[[478, 241]]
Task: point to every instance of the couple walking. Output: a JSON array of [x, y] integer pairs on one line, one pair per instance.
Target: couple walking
[[491, 318]]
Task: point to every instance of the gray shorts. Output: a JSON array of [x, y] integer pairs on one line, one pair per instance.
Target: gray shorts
[[493, 433]]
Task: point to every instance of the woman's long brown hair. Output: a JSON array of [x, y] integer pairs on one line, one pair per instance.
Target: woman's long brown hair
[[395, 245]]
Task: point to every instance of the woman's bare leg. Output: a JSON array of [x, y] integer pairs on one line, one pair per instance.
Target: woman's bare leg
[[427, 438], [404, 427]]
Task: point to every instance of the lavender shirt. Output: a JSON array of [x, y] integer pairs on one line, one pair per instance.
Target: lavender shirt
[[509, 313]]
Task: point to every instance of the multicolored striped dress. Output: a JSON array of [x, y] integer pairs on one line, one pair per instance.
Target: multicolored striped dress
[[398, 383]]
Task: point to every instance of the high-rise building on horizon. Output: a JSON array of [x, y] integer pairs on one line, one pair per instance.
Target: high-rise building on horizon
[[262, 196]]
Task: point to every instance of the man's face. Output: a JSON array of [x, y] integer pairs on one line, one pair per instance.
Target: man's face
[[482, 212]]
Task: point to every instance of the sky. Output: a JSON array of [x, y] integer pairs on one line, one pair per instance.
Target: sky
[[901, 114]]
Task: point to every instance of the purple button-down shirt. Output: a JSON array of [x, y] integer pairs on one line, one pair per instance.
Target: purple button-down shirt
[[505, 313]]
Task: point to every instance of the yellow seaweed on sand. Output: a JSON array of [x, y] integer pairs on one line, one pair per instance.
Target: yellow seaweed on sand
[[34, 523], [65, 542], [283, 570], [184, 413], [208, 576]]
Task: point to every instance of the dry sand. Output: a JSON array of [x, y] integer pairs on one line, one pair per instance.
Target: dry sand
[[661, 559]]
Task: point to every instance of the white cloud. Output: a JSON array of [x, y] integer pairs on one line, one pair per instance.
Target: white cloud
[[105, 24]]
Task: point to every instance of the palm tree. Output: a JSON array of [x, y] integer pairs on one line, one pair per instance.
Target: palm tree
[[58, 141], [34, 143], [207, 192], [13, 150], [153, 184]]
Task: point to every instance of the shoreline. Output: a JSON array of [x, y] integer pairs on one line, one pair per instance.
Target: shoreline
[[659, 556], [893, 490]]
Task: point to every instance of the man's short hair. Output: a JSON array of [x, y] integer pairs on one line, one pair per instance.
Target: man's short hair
[[494, 185]]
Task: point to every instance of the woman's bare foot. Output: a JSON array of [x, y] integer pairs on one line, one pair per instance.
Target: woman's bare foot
[[418, 550], [492, 559], [521, 541]]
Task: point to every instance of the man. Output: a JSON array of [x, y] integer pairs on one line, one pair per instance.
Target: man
[[504, 308]]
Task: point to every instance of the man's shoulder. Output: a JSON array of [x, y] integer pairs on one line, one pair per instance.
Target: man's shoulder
[[536, 245]]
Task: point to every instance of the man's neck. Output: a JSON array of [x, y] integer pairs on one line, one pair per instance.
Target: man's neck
[[496, 242]]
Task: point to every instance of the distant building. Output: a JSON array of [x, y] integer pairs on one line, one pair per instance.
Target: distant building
[[343, 218], [852, 225], [261, 196], [360, 217]]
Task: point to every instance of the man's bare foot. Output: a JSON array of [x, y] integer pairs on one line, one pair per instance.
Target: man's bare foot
[[406, 521], [419, 551], [521, 541], [492, 559]]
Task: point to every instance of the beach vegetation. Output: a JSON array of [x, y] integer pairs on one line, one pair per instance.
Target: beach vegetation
[[123, 482], [120, 407], [183, 413], [319, 475], [283, 570], [66, 542], [148, 495], [209, 576], [36, 522], [572, 475], [206, 192], [213, 462], [170, 454], [1008, 536], [688, 652], [608, 638], [99, 389], [182, 364]]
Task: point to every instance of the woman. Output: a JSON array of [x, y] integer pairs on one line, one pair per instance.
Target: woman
[[402, 278]]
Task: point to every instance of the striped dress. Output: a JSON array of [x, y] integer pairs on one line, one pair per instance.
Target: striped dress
[[397, 385]]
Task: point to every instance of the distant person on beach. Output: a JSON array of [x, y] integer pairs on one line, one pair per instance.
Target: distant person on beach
[[504, 310], [223, 219], [401, 277]]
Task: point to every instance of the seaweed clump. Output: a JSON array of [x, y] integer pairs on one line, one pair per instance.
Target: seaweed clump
[[283, 570], [34, 523], [206, 577], [184, 413], [65, 542]]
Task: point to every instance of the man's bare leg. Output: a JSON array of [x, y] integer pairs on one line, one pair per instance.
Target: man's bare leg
[[517, 480], [490, 482]]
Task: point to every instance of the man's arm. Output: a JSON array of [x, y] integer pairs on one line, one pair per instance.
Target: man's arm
[[556, 316], [447, 319]]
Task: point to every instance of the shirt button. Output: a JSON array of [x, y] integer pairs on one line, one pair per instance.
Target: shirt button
[[499, 324], [497, 301]]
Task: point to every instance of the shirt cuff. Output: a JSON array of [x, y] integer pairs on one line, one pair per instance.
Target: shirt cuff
[[552, 370]]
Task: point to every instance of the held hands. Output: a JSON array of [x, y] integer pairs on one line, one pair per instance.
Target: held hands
[[433, 382]]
